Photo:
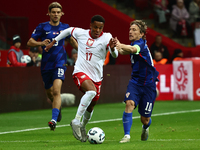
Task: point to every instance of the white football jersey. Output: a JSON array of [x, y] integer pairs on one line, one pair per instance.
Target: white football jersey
[[91, 53]]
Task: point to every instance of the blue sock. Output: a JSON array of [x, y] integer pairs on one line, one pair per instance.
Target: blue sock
[[127, 122], [146, 126], [55, 113]]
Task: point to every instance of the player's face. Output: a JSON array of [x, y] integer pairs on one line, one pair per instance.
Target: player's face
[[96, 29], [55, 15], [134, 33]]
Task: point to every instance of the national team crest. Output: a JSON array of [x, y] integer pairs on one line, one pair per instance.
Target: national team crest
[[90, 42], [127, 94]]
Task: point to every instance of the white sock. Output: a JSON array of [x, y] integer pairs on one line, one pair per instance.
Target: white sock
[[84, 103], [86, 118]]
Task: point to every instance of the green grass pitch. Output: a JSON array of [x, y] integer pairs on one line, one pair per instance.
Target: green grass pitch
[[175, 126]]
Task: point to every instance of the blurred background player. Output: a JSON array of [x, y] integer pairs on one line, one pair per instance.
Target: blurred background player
[[141, 90], [88, 70], [15, 54], [53, 64]]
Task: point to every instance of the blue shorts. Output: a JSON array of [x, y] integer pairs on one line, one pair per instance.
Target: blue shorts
[[143, 96], [49, 76]]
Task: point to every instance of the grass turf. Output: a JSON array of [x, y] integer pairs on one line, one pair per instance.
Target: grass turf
[[179, 131]]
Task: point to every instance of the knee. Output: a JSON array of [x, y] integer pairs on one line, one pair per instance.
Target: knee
[[56, 93], [130, 105], [145, 120], [50, 96], [91, 94]]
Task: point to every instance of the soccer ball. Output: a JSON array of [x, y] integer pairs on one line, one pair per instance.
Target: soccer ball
[[25, 59], [96, 135]]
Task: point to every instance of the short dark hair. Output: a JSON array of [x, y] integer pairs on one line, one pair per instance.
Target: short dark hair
[[97, 18]]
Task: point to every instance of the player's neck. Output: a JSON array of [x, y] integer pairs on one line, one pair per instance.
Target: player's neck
[[54, 23]]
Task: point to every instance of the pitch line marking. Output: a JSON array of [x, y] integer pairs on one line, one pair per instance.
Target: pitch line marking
[[108, 120], [54, 141]]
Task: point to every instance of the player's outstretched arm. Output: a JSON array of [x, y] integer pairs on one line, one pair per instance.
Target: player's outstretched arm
[[112, 48], [32, 42], [62, 35], [123, 48]]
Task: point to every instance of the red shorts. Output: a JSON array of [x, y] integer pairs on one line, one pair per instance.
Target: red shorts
[[80, 77]]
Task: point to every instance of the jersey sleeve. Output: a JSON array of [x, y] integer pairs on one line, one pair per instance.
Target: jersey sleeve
[[67, 26], [139, 45], [76, 32], [37, 32]]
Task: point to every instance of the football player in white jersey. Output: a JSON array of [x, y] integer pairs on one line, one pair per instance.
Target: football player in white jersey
[[88, 70]]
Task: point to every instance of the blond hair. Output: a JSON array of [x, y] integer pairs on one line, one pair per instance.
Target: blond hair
[[142, 26], [54, 5]]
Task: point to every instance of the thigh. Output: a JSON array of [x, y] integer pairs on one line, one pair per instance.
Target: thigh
[[47, 79], [58, 73], [57, 84], [83, 82], [133, 93], [147, 101], [98, 90]]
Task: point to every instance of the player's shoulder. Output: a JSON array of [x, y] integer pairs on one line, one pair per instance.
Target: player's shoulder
[[64, 25], [44, 25], [140, 42], [108, 34]]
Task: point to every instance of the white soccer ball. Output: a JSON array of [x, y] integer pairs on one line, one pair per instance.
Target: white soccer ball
[[96, 135], [25, 59]]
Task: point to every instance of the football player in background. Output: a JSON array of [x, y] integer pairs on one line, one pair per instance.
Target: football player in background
[[53, 64], [88, 69], [141, 90]]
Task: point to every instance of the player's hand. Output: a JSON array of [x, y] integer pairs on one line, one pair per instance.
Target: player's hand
[[45, 42], [117, 43], [111, 44], [50, 45]]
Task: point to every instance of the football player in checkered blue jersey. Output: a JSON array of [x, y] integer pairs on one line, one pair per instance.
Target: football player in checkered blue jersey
[[141, 90], [53, 64]]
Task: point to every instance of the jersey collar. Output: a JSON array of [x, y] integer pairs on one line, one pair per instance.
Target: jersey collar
[[99, 35]]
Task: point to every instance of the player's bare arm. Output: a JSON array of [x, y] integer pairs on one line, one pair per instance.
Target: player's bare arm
[[50, 45], [73, 42], [62, 35], [32, 42], [124, 49]]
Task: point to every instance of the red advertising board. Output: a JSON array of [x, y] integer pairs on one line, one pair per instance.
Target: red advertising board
[[166, 80]]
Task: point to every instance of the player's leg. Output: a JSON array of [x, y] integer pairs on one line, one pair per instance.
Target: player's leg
[[87, 86], [90, 91], [86, 118], [88, 113], [56, 103], [127, 120], [146, 121], [131, 98], [145, 109]]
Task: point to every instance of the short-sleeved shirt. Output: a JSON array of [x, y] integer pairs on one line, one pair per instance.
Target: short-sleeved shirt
[[56, 57], [143, 70], [91, 53]]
